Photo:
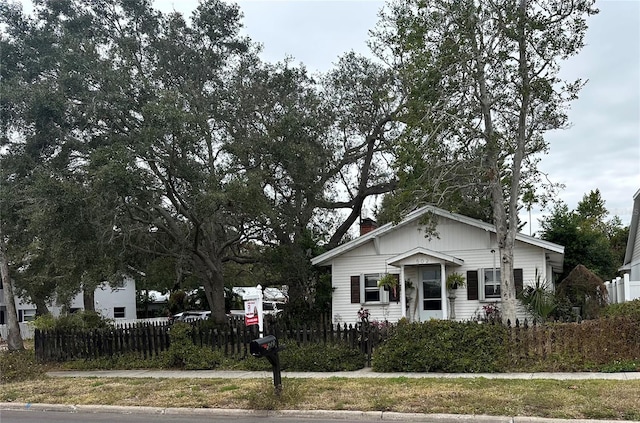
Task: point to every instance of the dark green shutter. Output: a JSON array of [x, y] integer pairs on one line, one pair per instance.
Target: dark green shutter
[[472, 285], [355, 289], [518, 280]]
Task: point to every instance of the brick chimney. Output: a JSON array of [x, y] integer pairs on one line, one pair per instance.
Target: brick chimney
[[367, 225]]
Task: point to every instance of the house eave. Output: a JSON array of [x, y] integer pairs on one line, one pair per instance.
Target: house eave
[[445, 258], [633, 230], [325, 259]]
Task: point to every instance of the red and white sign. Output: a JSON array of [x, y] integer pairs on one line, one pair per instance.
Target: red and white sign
[[251, 313]]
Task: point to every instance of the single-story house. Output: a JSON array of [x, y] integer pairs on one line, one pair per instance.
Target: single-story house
[[113, 303], [627, 287], [421, 263], [631, 263]]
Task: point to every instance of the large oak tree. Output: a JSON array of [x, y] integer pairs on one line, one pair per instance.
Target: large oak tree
[[484, 88]]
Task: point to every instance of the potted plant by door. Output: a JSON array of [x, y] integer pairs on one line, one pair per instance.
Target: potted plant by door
[[455, 280], [390, 282]]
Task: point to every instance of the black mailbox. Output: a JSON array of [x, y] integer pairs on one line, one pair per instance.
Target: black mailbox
[[264, 347]]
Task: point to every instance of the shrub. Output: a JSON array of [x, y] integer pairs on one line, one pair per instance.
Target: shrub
[[629, 309], [539, 299], [591, 345], [16, 366], [443, 346], [80, 320], [184, 354], [316, 357]]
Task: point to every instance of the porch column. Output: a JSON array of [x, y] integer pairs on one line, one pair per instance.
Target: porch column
[[403, 290], [443, 292]]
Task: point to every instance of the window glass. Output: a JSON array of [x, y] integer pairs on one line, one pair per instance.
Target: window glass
[[371, 290], [492, 283], [28, 315], [118, 312]]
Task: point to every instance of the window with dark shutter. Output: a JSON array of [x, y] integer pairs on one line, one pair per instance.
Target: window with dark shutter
[[472, 285], [355, 289]]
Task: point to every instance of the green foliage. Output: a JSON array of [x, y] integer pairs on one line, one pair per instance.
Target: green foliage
[[443, 346], [184, 354], [539, 299], [585, 290], [587, 346], [81, 320], [316, 357], [590, 238], [16, 366], [621, 366], [129, 361], [455, 280], [629, 309]]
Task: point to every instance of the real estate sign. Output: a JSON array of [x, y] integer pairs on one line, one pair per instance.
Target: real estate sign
[[251, 313]]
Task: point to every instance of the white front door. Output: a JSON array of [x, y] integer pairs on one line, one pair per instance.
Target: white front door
[[430, 291]]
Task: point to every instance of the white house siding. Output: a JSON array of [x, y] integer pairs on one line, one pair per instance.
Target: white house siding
[[106, 301], [634, 274], [452, 236], [343, 268], [456, 239], [526, 257]]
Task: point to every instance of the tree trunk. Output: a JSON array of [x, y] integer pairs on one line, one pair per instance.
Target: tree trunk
[[41, 307], [88, 299], [14, 338], [213, 279], [507, 288]]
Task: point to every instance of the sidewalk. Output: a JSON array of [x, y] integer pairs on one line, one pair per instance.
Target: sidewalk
[[363, 373]]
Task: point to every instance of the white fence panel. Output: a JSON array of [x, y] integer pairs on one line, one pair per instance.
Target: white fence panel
[[622, 290], [26, 330]]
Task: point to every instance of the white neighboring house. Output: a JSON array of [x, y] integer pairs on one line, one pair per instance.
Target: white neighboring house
[[421, 264], [113, 303], [627, 288]]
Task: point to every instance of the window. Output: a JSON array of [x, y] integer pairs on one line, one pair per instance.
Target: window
[[118, 313], [26, 315], [365, 289], [371, 290], [491, 283], [431, 288], [484, 284]]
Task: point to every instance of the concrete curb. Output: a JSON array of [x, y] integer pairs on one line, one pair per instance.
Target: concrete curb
[[330, 414]]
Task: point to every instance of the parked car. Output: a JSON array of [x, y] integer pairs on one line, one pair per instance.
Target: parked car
[[190, 316], [272, 307], [268, 307]]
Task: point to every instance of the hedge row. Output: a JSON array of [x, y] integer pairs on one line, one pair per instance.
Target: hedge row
[[611, 344]]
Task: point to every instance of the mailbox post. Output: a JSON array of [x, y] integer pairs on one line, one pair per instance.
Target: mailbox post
[[268, 347]]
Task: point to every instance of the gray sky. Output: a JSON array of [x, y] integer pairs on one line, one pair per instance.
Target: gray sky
[[600, 150]]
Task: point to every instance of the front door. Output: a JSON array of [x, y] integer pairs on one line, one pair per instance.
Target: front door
[[430, 288]]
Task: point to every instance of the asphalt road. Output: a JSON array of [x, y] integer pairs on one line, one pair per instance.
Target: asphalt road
[[32, 416], [48, 416]]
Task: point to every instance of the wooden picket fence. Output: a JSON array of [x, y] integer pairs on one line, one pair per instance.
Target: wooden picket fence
[[150, 339], [596, 341]]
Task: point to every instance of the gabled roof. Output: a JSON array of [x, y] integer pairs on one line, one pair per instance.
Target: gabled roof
[[633, 232], [425, 252], [325, 258]]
